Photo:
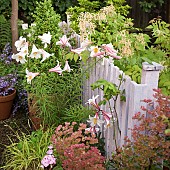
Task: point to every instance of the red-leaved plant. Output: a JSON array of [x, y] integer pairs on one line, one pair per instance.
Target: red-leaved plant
[[75, 147], [150, 145]]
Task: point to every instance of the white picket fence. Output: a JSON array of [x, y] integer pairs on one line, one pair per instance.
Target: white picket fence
[[134, 94]]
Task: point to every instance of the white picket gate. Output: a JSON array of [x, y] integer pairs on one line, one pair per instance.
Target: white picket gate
[[134, 93]]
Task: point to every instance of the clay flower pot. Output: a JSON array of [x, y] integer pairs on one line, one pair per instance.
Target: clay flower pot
[[6, 105]]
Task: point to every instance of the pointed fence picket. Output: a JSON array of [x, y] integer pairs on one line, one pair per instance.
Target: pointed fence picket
[[134, 94]]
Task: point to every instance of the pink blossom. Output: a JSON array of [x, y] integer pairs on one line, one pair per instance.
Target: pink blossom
[[63, 41], [48, 160], [110, 51], [106, 116], [78, 50], [56, 69]]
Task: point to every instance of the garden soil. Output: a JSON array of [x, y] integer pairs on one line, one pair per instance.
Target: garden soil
[[8, 130]]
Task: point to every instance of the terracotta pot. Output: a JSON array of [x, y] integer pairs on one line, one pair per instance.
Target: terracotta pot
[[33, 112], [6, 105]]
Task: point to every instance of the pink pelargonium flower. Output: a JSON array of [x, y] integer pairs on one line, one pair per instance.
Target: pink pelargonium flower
[[107, 116], [46, 39], [56, 69], [67, 67], [30, 76], [93, 102], [111, 51], [63, 41], [48, 160]]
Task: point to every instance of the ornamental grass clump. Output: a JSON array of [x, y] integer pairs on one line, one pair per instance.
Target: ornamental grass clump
[[76, 147], [149, 146]]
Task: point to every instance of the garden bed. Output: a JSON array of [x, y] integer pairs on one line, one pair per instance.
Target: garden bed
[[8, 129]]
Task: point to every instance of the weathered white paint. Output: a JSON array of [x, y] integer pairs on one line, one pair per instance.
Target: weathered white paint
[[134, 93]]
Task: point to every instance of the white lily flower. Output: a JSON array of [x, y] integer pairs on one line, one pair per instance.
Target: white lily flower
[[93, 102], [67, 67], [30, 76], [45, 55], [20, 43], [95, 121], [95, 52], [24, 49], [45, 38], [19, 57], [36, 53], [63, 41]]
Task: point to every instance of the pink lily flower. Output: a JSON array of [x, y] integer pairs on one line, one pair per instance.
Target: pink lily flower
[[95, 52], [78, 50], [111, 51], [30, 76], [85, 44], [107, 116], [63, 41], [56, 69]]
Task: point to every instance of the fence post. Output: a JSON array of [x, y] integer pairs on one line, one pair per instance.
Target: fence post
[[150, 76]]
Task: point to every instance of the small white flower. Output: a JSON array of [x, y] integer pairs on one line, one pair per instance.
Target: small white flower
[[24, 26], [46, 39], [67, 67]]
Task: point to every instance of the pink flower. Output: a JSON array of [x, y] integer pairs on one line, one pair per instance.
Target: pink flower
[[107, 116], [110, 51], [63, 41], [56, 69], [78, 50], [48, 160]]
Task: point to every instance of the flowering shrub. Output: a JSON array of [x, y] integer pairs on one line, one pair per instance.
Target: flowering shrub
[[86, 157], [75, 147], [149, 145]]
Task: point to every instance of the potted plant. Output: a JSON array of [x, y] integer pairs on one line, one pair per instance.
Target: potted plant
[[7, 95]]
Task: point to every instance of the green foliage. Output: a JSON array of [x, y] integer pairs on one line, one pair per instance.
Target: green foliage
[[134, 72], [149, 6], [29, 151], [161, 33], [5, 32], [108, 88], [76, 113]]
